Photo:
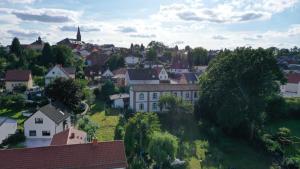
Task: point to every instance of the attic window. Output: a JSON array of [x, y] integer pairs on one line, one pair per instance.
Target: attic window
[[62, 112]]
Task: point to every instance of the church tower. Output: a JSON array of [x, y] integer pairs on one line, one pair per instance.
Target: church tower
[[78, 35]]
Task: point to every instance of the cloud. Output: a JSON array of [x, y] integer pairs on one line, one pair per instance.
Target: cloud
[[21, 1], [219, 37], [142, 35], [126, 29], [48, 15], [23, 34], [82, 28]]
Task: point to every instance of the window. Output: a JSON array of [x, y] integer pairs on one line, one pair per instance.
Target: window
[[154, 106], [195, 95], [38, 120], [175, 94], [187, 95], [141, 96], [32, 133], [46, 133], [141, 107], [154, 96]]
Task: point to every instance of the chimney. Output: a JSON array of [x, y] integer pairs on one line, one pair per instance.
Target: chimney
[[94, 142]]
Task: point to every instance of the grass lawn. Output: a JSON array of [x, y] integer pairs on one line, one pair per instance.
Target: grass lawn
[[107, 123], [225, 153], [14, 114]]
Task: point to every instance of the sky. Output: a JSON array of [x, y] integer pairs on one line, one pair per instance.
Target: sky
[[213, 24]]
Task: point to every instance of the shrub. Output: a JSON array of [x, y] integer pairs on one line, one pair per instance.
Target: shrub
[[293, 106], [18, 137], [12, 101]]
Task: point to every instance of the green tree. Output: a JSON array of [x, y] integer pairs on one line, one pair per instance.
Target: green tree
[[162, 148], [151, 55], [138, 131], [66, 91], [116, 61], [47, 59], [199, 56], [90, 127], [107, 89], [235, 87], [16, 48], [63, 55]]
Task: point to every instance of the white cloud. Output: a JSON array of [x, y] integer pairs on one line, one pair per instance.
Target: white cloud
[[21, 1]]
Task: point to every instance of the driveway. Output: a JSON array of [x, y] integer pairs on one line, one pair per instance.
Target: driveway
[[31, 143]]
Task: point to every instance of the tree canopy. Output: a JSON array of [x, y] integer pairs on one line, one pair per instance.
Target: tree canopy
[[235, 87]]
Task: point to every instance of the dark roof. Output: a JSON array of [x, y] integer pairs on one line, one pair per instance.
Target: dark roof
[[179, 63], [70, 70], [69, 136], [56, 112], [293, 78], [102, 155], [97, 58], [142, 74], [191, 77], [17, 75]]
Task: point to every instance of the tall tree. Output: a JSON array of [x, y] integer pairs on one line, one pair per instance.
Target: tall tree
[[162, 148], [16, 48], [200, 56], [47, 57], [116, 61], [151, 55], [235, 88], [63, 55]]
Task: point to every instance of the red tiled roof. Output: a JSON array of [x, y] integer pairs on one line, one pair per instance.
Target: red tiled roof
[[17, 75], [103, 155], [69, 136], [293, 78]]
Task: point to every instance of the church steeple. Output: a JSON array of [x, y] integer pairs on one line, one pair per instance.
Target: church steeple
[[78, 34]]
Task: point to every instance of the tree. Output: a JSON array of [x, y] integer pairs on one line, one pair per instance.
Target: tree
[[47, 58], [15, 47], [151, 55], [199, 56], [162, 148], [87, 125], [107, 89], [138, 131], [235, 87], [66, 91], [63, 55], [116, 61]]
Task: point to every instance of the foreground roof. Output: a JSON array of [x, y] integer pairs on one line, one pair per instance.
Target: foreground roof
[[102, 155], [56, 112], [69, 136], [17, 75]]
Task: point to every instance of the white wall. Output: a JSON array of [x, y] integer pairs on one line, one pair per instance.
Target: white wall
[[7, 129], [54, 73], [290, 90]]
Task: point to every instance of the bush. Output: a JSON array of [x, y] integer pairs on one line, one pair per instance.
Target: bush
[[293, 107], [20, 89], [14, 139], [12, 101], [276, 108]]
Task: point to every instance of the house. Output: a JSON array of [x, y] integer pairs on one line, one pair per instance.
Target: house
[[132, 60], [162, 73], [141, 76], [107, 74], [179, 65], [119, 100], [145, 97], [37, 45], [47, 121], [119, 77], [69, 136], [96, 155], [7, 127], [292, 87], [14, 78], [59, 72]]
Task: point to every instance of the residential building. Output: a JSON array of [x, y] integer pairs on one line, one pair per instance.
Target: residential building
[[107, 74], [119, 100], [292, 87], [132, 60], [48, 121], [14, 78], [59, 72], [119, 77], [69, 136], [179, 65], [141, 76], [145, 97], [8, 127], [96, 155]]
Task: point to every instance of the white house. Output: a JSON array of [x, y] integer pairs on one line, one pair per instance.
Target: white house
[[7, 127], [119, 100], [292, 88], [141, 76], [107, 74], [162, 73], [132, 60], [145, 97], [47, 121], [59, 72]]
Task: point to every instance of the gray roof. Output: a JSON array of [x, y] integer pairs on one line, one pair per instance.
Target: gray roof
[[164, 87], [70, 70], [56, 112], [142, 74]]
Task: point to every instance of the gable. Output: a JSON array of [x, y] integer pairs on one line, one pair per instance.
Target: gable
[[38, 114], [56, 72]]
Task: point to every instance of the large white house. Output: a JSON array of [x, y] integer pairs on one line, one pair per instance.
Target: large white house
[[47, 121], [146, 76], [7, 127], [292, 87], [145, 97], [59, 72]]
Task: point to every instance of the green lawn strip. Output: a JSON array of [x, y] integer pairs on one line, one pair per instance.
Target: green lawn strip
[[107, 124]]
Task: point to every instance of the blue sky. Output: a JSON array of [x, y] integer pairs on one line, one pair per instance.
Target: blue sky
[[213, 24]]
